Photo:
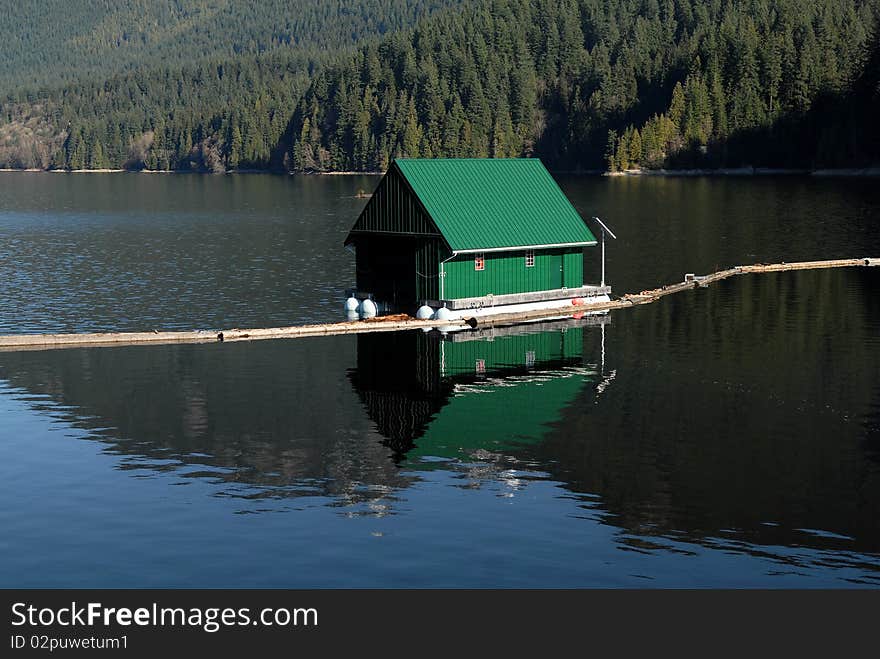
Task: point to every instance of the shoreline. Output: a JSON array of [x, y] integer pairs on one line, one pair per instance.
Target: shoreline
[[752, 171], [843, 172], [338, 173]]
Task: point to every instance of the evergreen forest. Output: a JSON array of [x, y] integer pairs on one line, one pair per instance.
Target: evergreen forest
[[348, 85]]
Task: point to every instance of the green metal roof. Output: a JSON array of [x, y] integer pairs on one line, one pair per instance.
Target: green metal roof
[[484, 204]]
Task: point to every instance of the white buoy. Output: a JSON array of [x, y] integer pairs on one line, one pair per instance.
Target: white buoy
[[351, 305], [351, 315], [442, 314], [425, 312], [368, 309]]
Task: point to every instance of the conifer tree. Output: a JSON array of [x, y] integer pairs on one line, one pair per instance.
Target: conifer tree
[[611, 151], [635, 148]]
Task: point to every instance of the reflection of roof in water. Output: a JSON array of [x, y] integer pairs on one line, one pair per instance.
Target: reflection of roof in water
[[441, 396], [500, 413]]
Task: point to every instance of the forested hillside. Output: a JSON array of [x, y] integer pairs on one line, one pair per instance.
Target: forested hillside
[[46, 44], [590, 84], [321, 85], [170, 84]]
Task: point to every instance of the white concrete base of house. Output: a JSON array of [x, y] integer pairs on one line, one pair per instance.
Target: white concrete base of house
[[578, 305], [362, 305]]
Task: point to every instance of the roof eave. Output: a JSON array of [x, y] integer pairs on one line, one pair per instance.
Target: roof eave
[[519, 248]]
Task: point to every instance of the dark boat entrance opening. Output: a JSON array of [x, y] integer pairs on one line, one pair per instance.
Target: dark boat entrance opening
[[399, 270]]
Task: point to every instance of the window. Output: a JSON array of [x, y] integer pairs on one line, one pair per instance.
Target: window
[[480, 366], [479, 261], [530, 258]]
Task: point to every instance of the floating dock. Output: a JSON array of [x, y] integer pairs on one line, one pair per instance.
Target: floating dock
[[402, 322]]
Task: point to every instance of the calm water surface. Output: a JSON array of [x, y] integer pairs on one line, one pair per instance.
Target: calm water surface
[[722, 437]]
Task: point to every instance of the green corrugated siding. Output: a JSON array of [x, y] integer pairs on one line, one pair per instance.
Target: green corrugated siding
[[494, 203], [506, 272], [573, 268]]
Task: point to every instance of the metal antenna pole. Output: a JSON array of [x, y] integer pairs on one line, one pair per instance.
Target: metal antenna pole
[[611, 233]]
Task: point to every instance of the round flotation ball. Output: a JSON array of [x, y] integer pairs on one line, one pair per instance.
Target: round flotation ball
[[442, 314], [351, 315], [351, 304], [425, 312], [368, 309]]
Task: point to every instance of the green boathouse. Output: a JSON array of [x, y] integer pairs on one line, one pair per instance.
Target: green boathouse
[[470, 235]]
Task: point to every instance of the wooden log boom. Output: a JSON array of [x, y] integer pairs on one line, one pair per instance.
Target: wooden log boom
[[401, 322]]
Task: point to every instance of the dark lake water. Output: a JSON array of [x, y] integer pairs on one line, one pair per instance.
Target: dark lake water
[[720, 437]]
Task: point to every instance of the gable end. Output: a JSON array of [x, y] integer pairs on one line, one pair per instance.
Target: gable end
[[394, 209]]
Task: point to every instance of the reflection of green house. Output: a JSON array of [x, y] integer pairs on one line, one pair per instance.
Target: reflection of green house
[[468, 391], [470, 233], [507, 349]]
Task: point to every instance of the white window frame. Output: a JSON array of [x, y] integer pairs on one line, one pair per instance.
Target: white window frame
[[530, 258], [479, 261]]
